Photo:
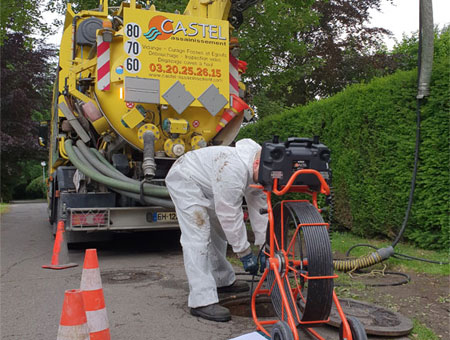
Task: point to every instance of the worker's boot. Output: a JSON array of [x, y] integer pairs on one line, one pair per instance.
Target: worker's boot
[[214, 312], [235, 287]]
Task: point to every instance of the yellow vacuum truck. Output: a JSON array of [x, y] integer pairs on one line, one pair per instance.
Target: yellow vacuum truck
[[135, 90]]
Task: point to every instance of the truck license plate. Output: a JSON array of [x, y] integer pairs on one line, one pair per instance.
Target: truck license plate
[[165, 217]]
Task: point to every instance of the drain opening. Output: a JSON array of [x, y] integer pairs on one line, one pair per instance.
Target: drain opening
[[241, 306]]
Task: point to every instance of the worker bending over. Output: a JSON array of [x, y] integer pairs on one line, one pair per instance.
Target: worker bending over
[[207, 187]]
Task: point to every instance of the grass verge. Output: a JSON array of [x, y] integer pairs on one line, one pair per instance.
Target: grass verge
[[421, 332], [4, 207]]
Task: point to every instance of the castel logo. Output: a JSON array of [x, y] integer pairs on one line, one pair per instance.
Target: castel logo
[[162, 28], [156, 30]]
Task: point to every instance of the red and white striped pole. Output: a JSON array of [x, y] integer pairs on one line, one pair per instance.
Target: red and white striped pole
[[103, 64]]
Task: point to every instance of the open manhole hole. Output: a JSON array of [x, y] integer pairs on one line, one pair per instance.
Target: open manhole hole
[[129, 276], [240, 305]]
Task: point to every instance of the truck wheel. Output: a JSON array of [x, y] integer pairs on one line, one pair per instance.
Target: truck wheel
[[356, 327], [281, 331]]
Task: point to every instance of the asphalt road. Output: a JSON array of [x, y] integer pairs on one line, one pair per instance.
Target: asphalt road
[[144, 284]]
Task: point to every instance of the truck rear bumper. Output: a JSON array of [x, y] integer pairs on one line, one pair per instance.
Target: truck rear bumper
[[120, 219]]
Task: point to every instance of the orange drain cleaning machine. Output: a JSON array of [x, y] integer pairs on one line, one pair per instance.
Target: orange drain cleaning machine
[[299, 273]]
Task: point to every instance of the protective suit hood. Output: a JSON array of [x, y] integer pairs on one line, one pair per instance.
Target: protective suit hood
[[246, 150]]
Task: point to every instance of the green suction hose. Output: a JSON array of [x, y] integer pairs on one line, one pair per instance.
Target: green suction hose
[[153, 190]]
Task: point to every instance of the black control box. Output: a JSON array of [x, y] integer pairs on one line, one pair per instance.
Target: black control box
[[281, 159]]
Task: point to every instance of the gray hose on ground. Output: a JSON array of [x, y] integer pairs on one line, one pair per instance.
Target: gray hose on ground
[[149, 200], [110, 182]]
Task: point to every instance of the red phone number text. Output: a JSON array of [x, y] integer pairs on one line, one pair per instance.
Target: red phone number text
[[188, 70]]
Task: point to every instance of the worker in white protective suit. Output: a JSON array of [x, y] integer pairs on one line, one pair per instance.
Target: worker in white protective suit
[[207, 187]]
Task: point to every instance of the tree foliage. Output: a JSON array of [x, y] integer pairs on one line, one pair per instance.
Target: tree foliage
[[26, 79], [22, 16], [406, 51], [299, 51], [59, 6]]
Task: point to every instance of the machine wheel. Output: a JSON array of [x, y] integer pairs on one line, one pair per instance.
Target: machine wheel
[[281, 331], [356, 327]]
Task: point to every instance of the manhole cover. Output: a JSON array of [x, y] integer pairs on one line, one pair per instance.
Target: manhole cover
[[239, 305], [376, 320], [129, 276]]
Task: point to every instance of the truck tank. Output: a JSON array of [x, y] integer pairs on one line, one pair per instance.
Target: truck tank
[[136, 89]]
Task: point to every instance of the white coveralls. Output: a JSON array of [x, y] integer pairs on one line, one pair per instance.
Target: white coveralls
[[207, 187]]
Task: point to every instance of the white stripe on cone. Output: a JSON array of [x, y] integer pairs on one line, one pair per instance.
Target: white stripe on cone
[[90, 279], [97, 320], [80, 332]]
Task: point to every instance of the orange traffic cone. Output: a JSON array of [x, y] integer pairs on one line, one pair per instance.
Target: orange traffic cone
[[94, 301], [238, 105], [60, 257], [73, 323]]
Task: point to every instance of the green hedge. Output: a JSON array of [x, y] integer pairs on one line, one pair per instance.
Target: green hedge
[[370, 129]]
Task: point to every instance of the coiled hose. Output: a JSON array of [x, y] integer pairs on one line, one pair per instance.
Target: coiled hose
[[82, 157]]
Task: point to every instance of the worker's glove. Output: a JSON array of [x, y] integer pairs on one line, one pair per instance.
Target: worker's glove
[[262, 262], [250, 263]]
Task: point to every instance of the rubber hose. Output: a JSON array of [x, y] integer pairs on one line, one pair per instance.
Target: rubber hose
[[102, 159], [425, 64], [110, 182], [149, 200], [359, 263], [99, 166], [426, 42], [109, 165], [117, 172], [364, 261]]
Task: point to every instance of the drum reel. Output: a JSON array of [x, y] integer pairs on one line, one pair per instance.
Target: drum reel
[[314, 297]]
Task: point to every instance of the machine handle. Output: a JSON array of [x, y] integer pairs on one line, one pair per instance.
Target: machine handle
[[324, 188], [308, 141]]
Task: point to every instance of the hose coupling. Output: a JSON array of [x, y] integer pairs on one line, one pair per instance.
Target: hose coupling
[[385, 253], [149, 164]]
